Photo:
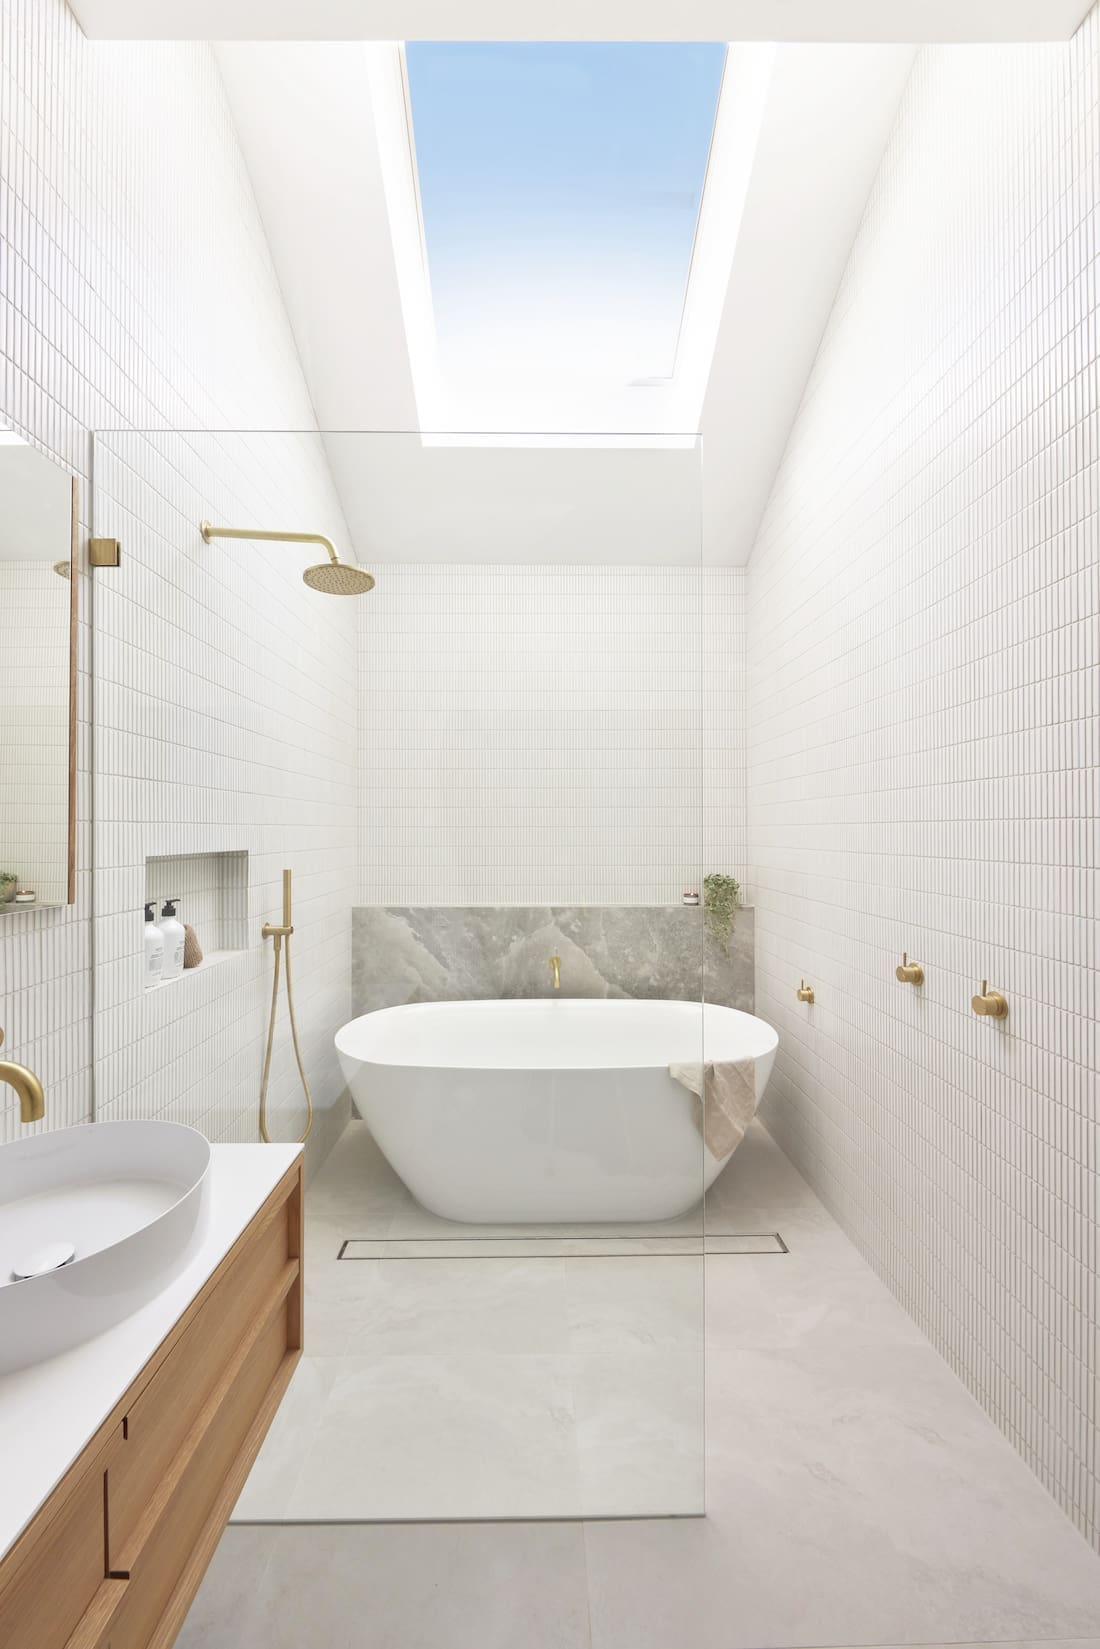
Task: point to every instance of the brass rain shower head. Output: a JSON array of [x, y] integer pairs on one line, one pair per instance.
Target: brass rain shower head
[[333, 577]]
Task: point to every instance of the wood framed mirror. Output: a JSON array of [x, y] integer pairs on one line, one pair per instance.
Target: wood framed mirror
[[39, 593]]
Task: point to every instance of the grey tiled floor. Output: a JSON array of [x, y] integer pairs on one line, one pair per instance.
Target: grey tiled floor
[[856, 1494]]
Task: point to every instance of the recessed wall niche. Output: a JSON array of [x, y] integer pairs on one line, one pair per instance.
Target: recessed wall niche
[[212, 894]]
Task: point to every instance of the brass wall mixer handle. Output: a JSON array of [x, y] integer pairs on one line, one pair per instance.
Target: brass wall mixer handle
[[909, 973], [805, 993], [990, 1004]]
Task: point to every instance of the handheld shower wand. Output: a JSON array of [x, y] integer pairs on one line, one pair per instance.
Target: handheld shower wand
[[281, 933]]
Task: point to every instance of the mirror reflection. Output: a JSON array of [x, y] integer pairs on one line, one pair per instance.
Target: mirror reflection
[[36, 678]]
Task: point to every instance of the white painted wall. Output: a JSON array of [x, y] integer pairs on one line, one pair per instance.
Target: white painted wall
[[139, 292], [923, 620], [550, 734]]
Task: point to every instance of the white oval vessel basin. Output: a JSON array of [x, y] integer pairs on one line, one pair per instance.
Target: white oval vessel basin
[[94, 1222]]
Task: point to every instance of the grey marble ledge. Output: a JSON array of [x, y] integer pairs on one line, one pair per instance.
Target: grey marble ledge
[[441, 953]]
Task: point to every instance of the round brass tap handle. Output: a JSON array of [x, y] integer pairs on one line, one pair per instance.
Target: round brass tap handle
[[989, 1004]]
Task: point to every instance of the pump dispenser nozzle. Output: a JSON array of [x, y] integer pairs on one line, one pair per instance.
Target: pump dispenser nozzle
[[174, 939]]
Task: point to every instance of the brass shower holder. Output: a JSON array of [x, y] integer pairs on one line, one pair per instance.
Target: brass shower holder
[[104, 552], [281, 932], [283, 929]]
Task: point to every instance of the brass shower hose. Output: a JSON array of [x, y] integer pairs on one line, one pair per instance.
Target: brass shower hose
[[282, 935]]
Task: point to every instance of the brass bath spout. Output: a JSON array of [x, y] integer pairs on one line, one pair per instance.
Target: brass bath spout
[[32, 1101], [555, 969]]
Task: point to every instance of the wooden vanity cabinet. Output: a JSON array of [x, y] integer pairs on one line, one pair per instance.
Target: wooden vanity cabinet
[[114, 1557]]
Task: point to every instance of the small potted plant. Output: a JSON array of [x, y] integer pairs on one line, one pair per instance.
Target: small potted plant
[[720, 895], [9, 881]]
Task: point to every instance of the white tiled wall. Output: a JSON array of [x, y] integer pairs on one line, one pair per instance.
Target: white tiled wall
[[541, 735], [923, 610], [138, 293], [34, 727]]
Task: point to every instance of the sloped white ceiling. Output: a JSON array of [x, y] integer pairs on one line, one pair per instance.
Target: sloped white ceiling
[[594, 504], [304, 119], [305, 122], [829, 113]]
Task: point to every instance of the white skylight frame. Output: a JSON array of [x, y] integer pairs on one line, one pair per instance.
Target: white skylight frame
[[655, 406]]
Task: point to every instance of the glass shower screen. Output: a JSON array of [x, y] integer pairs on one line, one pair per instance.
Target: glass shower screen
[[486, 773]]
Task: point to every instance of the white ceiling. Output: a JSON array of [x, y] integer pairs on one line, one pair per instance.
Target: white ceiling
[[304, 120], [859, 21], [307, 126], [829, 112], [594, 504]]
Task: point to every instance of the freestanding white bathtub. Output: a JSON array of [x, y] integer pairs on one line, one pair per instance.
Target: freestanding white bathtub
[[539, 1111]]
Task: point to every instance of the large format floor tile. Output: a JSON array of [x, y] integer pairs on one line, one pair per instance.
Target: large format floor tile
[[478, 1436], [403, 1586], [856, 1495], [547, 1381]]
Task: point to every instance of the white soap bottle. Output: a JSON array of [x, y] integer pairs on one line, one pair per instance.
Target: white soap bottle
[[154, 950], [174, 940]]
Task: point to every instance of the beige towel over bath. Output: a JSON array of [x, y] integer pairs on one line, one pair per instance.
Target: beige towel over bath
[[730, 1102]]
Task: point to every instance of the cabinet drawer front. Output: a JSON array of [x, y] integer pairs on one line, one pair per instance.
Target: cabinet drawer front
[[48, 1594], [159, 1420], [168, 1534]]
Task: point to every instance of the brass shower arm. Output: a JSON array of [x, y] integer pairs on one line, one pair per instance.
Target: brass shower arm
[[331, 577], [209, 532]]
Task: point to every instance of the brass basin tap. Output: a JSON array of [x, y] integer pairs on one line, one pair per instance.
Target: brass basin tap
[[32, 1101], [555, 969]]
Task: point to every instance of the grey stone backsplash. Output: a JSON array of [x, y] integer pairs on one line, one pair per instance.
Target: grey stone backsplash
[[449, 953]]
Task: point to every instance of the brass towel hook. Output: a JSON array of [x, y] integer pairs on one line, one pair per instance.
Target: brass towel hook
[[909, 973]]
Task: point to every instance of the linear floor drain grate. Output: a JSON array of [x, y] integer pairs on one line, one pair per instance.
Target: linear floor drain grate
[[765, 1242], [559, 1248]]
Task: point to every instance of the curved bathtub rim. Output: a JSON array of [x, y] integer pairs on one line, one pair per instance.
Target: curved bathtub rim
[[423, 1062]]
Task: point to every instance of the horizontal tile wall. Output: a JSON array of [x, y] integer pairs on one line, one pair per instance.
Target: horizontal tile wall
[[138, 293], [550, 735], [924, 623]]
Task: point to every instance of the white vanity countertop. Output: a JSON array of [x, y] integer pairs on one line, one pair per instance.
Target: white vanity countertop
[[51, 1411]]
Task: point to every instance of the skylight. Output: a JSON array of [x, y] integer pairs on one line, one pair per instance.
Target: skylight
[[560, 190]]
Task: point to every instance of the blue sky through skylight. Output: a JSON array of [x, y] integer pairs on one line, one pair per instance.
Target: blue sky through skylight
[[560, 187]]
